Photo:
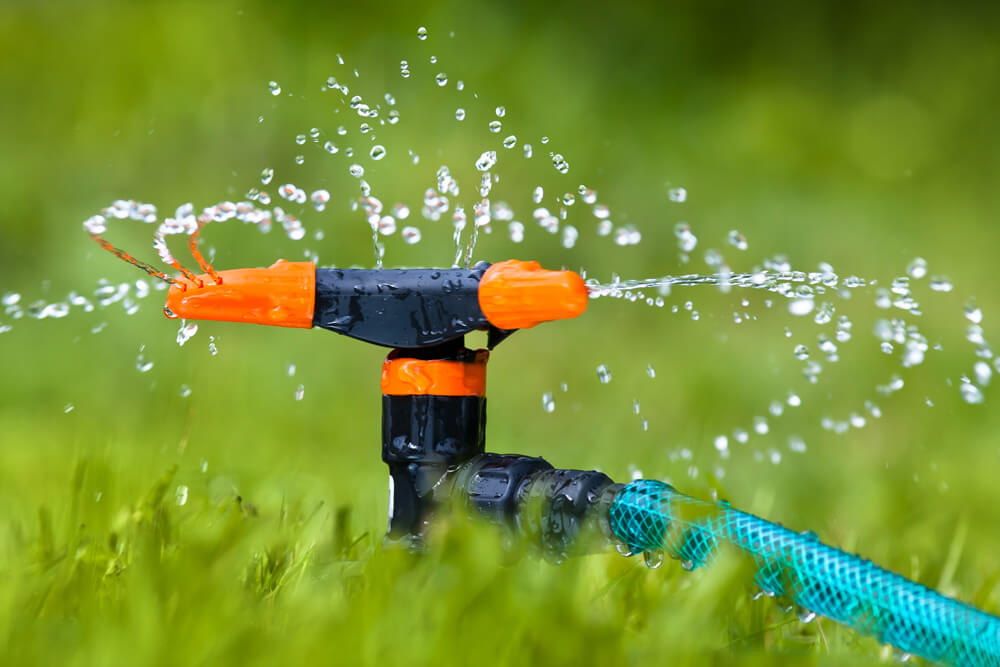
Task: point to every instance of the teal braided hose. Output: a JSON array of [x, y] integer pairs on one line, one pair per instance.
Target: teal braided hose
[[649, 515]]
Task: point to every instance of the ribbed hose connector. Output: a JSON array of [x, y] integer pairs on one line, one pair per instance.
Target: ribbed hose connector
[[651, 515]]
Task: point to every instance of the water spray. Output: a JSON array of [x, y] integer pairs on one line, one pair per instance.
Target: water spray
[[434, 439]]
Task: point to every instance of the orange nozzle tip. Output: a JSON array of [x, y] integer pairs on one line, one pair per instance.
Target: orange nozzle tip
[[519, 295], [284, 295]]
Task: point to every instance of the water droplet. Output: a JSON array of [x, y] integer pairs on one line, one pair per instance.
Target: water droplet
[[973, 313], [917, 269], [650, 371], [212, 347], [737, 240], [982, 372], [274, 87], [510, 142], [653, 558], [501, 112], [266, 175], [320, 199], [686, 240], [516, 231], [801, 306], [387, 225], [623, 549], [181, 495], [569, 236], [377, 152], [603, 374], [460, 114], [678, 195], [184, 391], [330, 147], [971, 394], [941, 284], [688, 564], [411, 235], [548, 402], [421, 33], [495, 126], [186, 332], [796, 444], [300, 139], [806, 616], [801, 352], [721, 443], [300, 392], [486, 161], [68, 408], [442, 79], [356, 170]]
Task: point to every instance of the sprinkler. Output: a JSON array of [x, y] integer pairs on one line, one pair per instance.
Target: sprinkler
[[434, 429]]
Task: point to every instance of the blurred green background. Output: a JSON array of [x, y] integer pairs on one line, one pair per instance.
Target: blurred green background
[[859, 134]]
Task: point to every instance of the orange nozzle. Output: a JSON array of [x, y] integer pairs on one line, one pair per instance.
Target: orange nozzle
[[284, 295], [519, 295]]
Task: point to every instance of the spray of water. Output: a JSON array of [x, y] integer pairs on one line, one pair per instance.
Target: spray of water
[[370, 131]]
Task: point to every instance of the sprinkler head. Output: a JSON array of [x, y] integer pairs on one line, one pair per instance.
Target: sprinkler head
[[405, 308]]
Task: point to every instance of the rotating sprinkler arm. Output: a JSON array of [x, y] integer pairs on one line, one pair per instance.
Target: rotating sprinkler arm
[[433, 440], [402, 308]]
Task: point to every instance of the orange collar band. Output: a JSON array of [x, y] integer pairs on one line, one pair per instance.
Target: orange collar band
[[436, 377]]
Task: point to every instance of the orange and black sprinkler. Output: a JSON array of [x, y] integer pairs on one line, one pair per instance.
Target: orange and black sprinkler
[[433, 387], [434, 426]]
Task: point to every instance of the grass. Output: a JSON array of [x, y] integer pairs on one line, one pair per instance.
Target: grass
[[226, 581]]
